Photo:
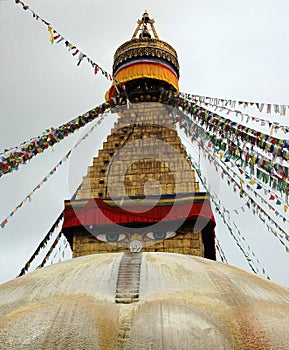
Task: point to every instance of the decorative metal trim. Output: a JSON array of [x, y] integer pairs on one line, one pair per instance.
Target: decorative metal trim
[[144, 48]]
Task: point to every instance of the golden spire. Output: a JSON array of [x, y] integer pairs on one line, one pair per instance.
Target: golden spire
[[142, 26]]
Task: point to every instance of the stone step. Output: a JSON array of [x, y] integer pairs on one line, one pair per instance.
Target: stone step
[[126, 291], [127, 276], [126, 300], [126, 295]]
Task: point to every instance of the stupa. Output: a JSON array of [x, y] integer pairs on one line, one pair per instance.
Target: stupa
[[140, 193], [143, 274]]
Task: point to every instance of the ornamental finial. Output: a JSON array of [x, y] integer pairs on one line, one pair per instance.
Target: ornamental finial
[[142, 27]]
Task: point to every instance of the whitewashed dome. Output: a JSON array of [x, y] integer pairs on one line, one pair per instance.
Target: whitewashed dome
[[182, 302]]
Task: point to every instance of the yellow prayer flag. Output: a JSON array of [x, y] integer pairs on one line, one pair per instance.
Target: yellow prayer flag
[[51, 34], [285, 208], [253, 160], [271, 130], [252, 182]]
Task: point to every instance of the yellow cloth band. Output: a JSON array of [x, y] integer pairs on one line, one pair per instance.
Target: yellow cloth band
[[146, 70]]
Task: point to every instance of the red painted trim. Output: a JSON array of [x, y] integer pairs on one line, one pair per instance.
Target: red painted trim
[[97, 212]]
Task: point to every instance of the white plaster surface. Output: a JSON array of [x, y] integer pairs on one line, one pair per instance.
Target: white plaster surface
[[185, 302]]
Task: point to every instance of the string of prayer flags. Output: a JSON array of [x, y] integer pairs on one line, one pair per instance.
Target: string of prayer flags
[[214, 122], [277, 108], [222, 211], [229, 139], [236, 180], [248, 253], [199, 134], [41, 245], [256, 206], [10, 160], [55, 35], [228, 128], [256, 209], [45, 179], [262, 215], [274, 126], [51, 249], [221, 252]]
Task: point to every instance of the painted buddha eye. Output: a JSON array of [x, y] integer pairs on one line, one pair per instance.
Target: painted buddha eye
[[159, 236], [111, 237]]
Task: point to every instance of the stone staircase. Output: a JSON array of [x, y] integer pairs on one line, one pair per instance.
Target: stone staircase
[[128, 279]]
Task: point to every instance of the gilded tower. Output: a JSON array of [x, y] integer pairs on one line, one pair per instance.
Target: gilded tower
[[140, 193]]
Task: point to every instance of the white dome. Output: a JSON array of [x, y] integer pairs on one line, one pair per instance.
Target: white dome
[[184, 302]]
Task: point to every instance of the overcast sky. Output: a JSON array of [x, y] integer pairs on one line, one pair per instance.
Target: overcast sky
[[227, 49]]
